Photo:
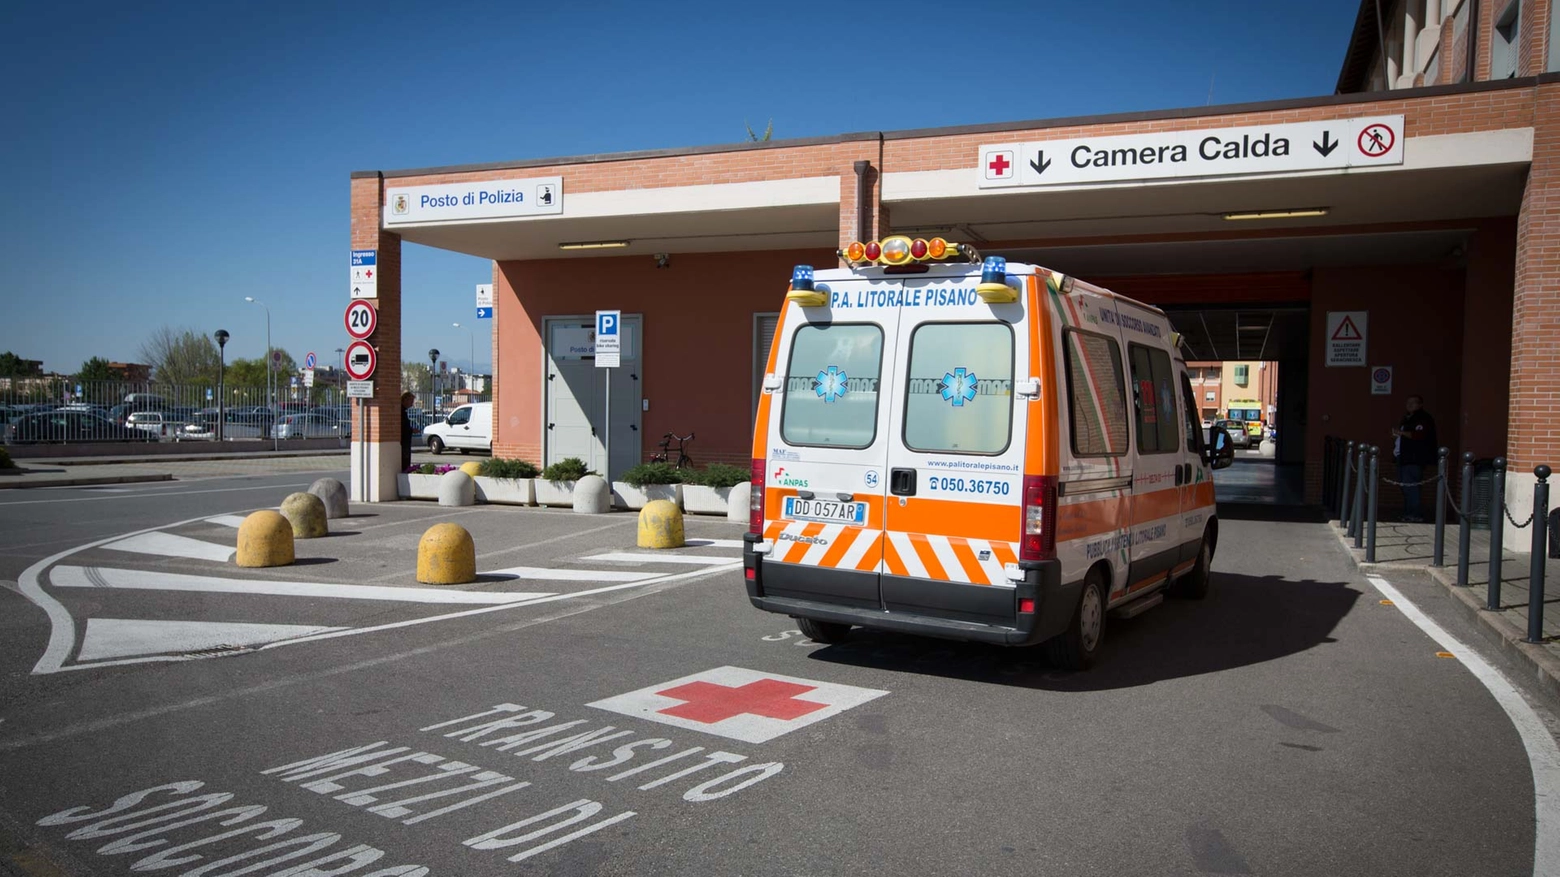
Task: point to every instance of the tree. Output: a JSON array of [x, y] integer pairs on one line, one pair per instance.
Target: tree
[[95, 370], [414, 377], [769, 132], [11, 365], [181, 356]]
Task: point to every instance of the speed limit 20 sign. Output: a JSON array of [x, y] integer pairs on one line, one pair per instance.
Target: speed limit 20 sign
[[361, 319]]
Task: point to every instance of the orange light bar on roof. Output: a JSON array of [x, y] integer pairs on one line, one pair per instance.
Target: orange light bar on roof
[[896, 250]]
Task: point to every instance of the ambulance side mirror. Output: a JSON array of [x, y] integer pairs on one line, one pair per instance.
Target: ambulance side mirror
[[1221, 449]]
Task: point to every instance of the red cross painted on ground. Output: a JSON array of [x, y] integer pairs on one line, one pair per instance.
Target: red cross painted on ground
[[1000, 164], [710, 703]]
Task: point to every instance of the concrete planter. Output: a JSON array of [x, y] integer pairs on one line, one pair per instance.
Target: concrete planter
[[510, 491], [739, 510], [701, 500], [625, 495], [554, 493], [418, 486]]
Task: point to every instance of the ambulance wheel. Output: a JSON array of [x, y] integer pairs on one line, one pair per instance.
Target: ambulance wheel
[[826, 632], [1077, 647], [435, 445], [1194, 585]]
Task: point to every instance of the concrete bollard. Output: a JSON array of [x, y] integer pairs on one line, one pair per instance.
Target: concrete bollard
[[334, 494], [738, 503], [446, 556], [592, 496], [472, 468], [306, 513], [661, 525], [457, 489], [264, 539]]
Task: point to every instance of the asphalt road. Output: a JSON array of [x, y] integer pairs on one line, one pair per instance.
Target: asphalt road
[[1289, 724]]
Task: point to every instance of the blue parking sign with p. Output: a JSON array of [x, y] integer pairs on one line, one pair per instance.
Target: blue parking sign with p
[[607, 322]]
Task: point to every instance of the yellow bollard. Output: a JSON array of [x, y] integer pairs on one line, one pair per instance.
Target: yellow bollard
[[265, 539], [661, 525], [446, 556], [472, 468], [306, 513]]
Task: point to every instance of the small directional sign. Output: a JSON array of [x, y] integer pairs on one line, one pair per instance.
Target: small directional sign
[[484, 301], [1215, 152], [365, 274], [484, 313]]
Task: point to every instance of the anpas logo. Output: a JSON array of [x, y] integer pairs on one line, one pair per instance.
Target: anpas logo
[[783, 480]]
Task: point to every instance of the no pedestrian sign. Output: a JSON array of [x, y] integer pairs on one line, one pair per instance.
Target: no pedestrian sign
[[1346, 337]]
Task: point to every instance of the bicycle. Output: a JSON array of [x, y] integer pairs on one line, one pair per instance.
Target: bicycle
[[683, 460]]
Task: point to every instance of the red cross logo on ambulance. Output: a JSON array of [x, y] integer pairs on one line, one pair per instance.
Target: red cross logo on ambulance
[[740, 704], [999, 164]]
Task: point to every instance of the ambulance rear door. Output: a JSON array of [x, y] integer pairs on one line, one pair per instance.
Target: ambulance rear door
[[828, 442], [956, 452]]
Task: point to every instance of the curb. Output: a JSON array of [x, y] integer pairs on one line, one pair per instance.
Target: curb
[[190, 458], [85, 482], [1496, 629]]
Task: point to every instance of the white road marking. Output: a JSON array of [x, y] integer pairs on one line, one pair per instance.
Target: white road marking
[[234, 521], [542, 573], [157, 496], [632, 557], [173, 545], [1543, 755], [714, 543], [148, 580], [120, 637]]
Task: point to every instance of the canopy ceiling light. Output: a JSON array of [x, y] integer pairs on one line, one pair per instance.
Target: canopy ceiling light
[[1278, 214], [593, 245]]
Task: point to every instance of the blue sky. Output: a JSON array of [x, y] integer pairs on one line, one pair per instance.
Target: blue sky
[[165, 160]]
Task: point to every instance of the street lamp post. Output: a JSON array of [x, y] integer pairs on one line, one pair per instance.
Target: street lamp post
[[270, 388], [433, 377], [473, 370], [222, 339]]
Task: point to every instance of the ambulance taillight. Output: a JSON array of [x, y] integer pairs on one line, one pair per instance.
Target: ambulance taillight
[[1039, 540], [756, 499]]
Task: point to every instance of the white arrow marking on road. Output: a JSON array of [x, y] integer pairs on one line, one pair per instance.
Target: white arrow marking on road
[[628, 557], [147, 580], [234, 521], [714, 543], [173, 545], [119, 638]]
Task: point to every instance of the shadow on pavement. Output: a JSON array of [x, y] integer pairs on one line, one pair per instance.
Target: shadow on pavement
[[1285, 514], [1245, 620], [312, 561]]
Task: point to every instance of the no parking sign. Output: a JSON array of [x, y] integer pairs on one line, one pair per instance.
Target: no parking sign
[[1381, 380]]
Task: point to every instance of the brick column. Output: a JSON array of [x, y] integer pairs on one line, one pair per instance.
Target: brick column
[[1535, 319], [877, 218], [376, 426]]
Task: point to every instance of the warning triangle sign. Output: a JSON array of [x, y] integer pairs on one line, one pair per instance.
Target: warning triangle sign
[[1347, 331]]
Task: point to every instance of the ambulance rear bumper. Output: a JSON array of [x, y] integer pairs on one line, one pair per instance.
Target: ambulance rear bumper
[[837, 596]]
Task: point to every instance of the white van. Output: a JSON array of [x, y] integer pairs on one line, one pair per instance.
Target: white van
[[990, 452], [468, 428]]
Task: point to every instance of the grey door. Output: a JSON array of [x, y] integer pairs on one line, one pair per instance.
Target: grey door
[[575, 424]]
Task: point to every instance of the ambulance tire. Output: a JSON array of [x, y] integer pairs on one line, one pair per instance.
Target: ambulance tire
[[1076, 648], [826, 632], [435, 445], [1194, 585]]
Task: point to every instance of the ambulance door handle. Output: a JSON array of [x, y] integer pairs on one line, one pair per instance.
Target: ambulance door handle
[[901, 482], [1178, 475]]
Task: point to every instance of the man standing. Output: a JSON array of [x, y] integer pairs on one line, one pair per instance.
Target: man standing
[[1414, 448], [406, 431]]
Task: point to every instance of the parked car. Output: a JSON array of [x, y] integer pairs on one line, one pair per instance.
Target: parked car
[[146, 402], [161, 424], [468, 428], [203, 427], [70, 426], [1239, 438], [301, 426]]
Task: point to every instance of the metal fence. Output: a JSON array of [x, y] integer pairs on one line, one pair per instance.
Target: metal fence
[[62, 410]]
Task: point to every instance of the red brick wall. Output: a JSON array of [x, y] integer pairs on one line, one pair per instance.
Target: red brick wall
[[1486, 364], [697, 322], [1535, 318], [384, 410]]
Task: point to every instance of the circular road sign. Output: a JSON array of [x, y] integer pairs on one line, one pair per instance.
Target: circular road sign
[[308, 360], [361, 360], [1381, 375], [1376, 140], [361, 319]]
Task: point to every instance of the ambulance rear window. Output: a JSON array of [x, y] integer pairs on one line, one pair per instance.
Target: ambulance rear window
[[831, 386], [959, 398]]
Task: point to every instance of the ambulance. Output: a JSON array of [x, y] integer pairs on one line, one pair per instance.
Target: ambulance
[[977, 450]]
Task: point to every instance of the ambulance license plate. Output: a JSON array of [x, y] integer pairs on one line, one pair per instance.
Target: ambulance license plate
[[828, 511]]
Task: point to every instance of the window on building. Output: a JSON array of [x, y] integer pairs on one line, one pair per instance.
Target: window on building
[[1194, 375], [1153, 395], [959, 398], [1506, 42], [831, 386], [1214, 374], [1243, 374], [1208, 396], [1096, 395]]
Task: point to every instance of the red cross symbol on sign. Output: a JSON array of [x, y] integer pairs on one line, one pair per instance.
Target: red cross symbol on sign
[[710, 703], [999, 165], [369, 274]]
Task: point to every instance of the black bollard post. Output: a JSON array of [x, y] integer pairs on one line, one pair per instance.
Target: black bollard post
[[1497, 533], [1343, 495], [1465, 520], [1438, 556], [1536, 566], [1375, 479], [1356, 522]]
